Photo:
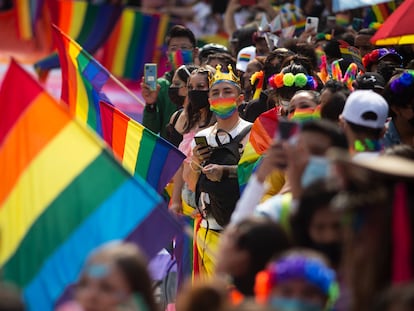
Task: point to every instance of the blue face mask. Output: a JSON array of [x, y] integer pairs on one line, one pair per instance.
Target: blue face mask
[[318, 167], [292, 304]]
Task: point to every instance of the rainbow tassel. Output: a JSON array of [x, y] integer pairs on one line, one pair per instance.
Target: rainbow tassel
[[257, 79], [350, 75], [336, 71]]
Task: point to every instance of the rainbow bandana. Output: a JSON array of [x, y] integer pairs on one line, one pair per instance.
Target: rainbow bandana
[[180, 57], [224, 108]]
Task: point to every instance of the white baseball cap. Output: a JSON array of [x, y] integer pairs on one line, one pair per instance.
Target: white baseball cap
[[244, 57], [366, 108]]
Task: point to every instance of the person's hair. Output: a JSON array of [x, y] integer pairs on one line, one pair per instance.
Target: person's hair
[[334, 106], [369, 132], [404, 151], [301, 60], [243, 37], [132, 263], [179, 31], [263, 239], [224, 58], [194, 115], [335, 86], [287, 92], [396, 298], [318, 195], [203, 295], [184, 72], [329, 129], [307, 51], [269, 69], [10, 299], [398, 98], [332, 49], [386, 69], [367, 31]]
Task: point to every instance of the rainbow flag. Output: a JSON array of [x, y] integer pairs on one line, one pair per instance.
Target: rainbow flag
[[72, 193], [137, 39], [27, 13], [141, 151], [89, 24], [248, 163], [84, 78], [378, 13]]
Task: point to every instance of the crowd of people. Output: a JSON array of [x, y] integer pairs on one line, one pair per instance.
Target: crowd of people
[[298, 179]]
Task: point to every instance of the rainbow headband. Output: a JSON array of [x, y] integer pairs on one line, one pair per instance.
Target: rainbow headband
[[297, 267], [404, 81], [290, 80], [350, 73]]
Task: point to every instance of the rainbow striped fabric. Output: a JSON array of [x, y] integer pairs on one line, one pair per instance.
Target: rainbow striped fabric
[[378, 13], [141, 151], [137, 39], [27, 13], [89, 24], [85, 78], [62, 194]]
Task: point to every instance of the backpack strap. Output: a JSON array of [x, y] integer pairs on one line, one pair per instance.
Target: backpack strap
[[243, 133], [219, 143]]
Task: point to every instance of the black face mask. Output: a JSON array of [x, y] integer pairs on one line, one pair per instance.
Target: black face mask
[[177, 99], [198, 99], [331, 250]]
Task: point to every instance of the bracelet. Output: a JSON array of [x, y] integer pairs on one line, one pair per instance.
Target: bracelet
[[194, 170]]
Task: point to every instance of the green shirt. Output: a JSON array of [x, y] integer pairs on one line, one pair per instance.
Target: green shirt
[[157, 119]]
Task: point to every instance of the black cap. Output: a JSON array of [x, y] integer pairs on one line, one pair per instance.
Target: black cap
[[212, 48], [370, 81]]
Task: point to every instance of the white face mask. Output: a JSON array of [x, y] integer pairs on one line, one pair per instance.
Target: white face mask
[[318, 167]]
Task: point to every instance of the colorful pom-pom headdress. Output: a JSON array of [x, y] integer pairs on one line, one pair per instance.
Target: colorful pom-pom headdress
[[376, 55], [299, 80], [297, 266], [402, 82]]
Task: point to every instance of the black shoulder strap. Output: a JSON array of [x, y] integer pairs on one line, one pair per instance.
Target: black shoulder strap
[[243, 133], [177, 115]]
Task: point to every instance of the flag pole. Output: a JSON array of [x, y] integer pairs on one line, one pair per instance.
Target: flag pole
[[121, 85]]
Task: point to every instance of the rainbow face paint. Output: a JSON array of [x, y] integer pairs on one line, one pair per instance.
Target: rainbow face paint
[[180, 57], [224, 108]]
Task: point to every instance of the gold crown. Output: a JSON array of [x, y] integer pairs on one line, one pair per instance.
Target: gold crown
[[225, 76]]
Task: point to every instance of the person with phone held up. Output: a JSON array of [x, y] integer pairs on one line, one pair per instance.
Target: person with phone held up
[[181, 50]]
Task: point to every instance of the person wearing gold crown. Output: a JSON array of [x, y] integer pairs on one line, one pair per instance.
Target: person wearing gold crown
[[213, 174]]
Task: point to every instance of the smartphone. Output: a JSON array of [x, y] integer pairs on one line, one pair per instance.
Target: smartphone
[[201, 141], [312, 23], [150, 75], [357, 23], [287, 130], [247, 2]]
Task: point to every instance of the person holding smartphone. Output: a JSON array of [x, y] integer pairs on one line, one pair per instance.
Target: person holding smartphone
[[158, 106], [213, 173]]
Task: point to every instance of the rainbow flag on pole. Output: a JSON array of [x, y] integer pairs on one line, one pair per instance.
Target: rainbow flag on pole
[[141, 151], [62, 194]]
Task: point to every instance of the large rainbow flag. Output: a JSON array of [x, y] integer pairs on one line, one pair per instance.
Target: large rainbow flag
[[137, 39], [62, 194], [89, 24], [141, 151]]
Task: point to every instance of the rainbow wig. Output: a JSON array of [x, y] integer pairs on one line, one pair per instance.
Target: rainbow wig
[[297, 266]]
